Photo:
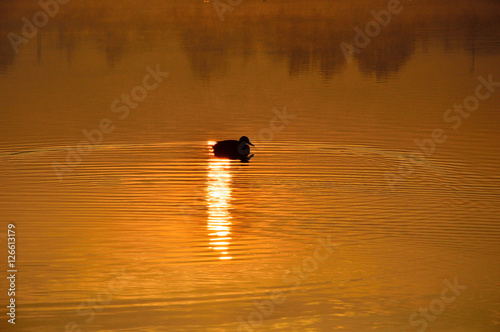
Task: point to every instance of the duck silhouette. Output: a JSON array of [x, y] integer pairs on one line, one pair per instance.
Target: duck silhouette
[[233, 149]]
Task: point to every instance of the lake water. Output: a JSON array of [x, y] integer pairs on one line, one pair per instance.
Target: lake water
[[352, 215]]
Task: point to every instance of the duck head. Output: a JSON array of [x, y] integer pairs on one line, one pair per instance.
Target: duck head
[[245, 140]]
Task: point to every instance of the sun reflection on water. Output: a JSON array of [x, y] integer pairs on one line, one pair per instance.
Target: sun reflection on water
[[219, 201]]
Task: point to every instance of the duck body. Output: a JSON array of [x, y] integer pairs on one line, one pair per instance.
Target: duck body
[[233, 149]]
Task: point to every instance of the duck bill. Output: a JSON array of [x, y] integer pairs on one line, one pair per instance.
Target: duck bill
[[250, 144]]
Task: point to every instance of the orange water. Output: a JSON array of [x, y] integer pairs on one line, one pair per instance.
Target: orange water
[[148, 232]]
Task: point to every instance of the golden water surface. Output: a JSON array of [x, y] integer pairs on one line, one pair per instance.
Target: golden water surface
[[352, 215]]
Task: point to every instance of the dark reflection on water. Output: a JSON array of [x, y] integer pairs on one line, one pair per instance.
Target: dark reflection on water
[[306, 38]]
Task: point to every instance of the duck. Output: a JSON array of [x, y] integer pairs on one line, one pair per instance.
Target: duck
[[233, 149]]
